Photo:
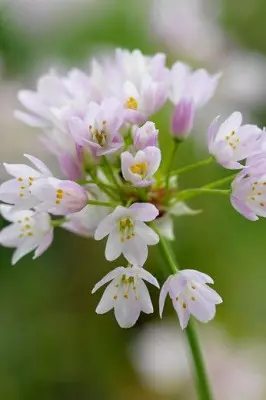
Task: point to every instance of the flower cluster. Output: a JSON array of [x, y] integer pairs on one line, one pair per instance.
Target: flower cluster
[[117, 184]]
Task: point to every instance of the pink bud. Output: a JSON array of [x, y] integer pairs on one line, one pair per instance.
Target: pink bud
[[182, 120]]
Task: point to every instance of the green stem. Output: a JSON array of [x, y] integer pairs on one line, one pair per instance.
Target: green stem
[[101, 203], [58, 222], [192, 166], [189, 193], [171, 161], [204, 392], [220, 182], [110, 171]]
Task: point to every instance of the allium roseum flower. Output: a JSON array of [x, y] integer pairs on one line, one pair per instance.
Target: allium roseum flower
[[29, 231], [18, 191], [99, 127], [232, 142], [139, 169], [127, 232], [85, 222], [248, 195], [127, 294], [141, 101], [51, 93], [182, 119], [59, 197], [190, 296], [146, 135], [197, 86]]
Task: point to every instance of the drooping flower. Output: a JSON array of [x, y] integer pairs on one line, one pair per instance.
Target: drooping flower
[[127, 294], [59, 197], [128, 234], [232, 142], [139, 169], [146, 135], [182, 119], [190, 296], [99, 127], [18, 191], [29, 231]]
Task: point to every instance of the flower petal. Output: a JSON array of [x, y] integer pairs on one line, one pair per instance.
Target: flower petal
[[144, 211], [111, 275]]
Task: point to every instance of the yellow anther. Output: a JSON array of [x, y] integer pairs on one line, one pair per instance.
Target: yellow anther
[[57, 202], [30, 234], [20, 179], [31, 178], [26, 218], [22, 187], [27, 226], [259, 193], [59, 191], [193, 298], [193, 286], [59, 196], [129, 237], [136, 297], [184, 305], [131, 103], [115, 297], [126, 296], [176, 299], [139, 168], [104, 122], [90, 127], [262, 204], [21, 195]]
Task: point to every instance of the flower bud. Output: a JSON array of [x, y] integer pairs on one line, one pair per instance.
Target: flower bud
[[182, 120], [145, 136]]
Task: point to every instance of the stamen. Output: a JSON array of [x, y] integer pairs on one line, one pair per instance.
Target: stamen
[[131, 103]]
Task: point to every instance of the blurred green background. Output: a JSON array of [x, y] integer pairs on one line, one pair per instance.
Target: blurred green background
[[52, 344]]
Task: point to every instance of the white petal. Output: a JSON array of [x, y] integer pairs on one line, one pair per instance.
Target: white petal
[[144, 298], [147, 234], [21, 170], [197, 276], [165, 226], [183, 313], [209, 294], [144, 211], [113, 246], [135, 251], [9, 236], [44, 244], [127, 311], [203, 310], [39, 164], [107, 301], [105, 227], [181, 208], [144, 274], [229, 125], [34, 122], [24, 249], [163, 294], [111, 275]]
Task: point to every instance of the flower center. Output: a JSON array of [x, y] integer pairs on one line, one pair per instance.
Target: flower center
[[126, 229], [126, 284], [26, 227], [25, 183], [232, 140], [140, 169], [99, 135], [258, 190], [131, 103]]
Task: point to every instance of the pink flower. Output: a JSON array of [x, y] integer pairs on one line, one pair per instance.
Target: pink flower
[[182, 119], [139, 169], [29, 231], [232, 142], [59, 197], [145, 136], [190, 295], [127, 233], [99, 127]]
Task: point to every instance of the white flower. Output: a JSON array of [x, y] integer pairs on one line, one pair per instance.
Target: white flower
[[18, 191], [29, 231], [127, 294], [127, 232], [190, 295], [139, 169], [232, 142]]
